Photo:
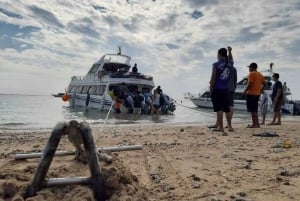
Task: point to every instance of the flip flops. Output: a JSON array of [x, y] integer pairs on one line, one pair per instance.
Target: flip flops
[[252, 126], [217, 130], [212, 126], [274, 124]]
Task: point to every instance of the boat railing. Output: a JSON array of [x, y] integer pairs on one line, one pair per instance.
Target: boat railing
[[87, 77], [239, 101], [74, 78]]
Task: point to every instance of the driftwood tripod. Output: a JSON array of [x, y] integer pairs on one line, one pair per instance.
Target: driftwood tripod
[[95, 181]]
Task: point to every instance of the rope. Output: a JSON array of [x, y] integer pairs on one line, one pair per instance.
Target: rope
[[105, 120], [192, 108]]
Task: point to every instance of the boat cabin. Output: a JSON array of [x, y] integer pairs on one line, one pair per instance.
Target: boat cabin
[[111, 64]]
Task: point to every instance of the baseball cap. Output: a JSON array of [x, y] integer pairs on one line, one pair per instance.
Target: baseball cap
[[253, 65]]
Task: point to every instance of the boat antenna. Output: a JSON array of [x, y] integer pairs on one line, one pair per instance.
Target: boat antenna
[[270, 70], [271, 67], [120, 49]]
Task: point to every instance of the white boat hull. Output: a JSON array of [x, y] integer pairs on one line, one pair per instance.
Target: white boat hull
[[238, 105], [104, 103], [94, 101]]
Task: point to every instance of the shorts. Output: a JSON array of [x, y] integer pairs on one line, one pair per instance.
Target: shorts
[[252, 103], [264, 108], [137, 110], [231, 97], [156, 106], [220, 100], [277, 106]]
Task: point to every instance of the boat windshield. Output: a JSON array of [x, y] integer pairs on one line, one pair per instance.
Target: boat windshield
[[206, 95], [114, 58]]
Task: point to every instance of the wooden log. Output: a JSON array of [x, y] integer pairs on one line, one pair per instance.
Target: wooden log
[[45, 161], [66, 181], [121, 148], [97, 181], [23, 156]]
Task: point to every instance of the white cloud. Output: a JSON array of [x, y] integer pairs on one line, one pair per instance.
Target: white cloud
[[162, 37]]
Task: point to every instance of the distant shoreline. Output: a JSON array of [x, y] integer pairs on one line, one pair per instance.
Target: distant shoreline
[[17, 94]]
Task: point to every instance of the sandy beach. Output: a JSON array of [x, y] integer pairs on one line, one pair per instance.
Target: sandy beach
[[177, 162]]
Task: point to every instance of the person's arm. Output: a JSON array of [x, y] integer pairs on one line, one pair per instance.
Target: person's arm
[[230, 57], [249, 83], [279, 90], [266, 98], [235, 78], [264, 84], [212, 78]]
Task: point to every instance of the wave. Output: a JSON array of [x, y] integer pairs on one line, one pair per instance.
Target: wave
[[14, 124]]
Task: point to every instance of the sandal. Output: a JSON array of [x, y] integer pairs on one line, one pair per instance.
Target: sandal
[[274, 123], [212, 126], [217, 130], [252, 126]]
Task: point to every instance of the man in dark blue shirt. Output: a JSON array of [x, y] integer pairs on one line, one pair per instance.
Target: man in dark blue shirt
[[277, 98]]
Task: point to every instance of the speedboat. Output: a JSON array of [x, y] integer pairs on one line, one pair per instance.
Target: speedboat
[[94, 90], [203, 100], [58, 95]]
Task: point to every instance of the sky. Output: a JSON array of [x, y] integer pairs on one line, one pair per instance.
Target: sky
[[44, 43]]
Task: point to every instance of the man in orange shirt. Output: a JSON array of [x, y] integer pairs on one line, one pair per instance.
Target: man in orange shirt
[[255, 84]]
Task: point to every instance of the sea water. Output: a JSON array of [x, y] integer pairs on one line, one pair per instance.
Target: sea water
[[32, 112], [42, 112]]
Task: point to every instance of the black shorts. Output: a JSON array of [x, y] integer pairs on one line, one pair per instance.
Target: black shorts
[[277, 106], [231, 96], [252, 103], [156, 107], [220, 100]]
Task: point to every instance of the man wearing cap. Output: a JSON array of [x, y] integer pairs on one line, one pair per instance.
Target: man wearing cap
[[256, 83]]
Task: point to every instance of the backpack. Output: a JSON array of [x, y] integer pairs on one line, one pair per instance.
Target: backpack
[[122, 91], [116, 91]]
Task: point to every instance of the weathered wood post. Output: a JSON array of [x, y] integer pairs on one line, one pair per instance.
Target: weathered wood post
[[97, 182], [45, 160], [22, 156]]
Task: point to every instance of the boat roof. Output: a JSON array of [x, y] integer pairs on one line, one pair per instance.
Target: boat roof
[[113, 68], [115, 58]]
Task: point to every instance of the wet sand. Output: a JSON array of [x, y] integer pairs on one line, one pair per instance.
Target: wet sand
[[177, 162]]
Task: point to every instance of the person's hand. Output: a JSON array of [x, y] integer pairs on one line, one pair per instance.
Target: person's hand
[[229, 48]]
